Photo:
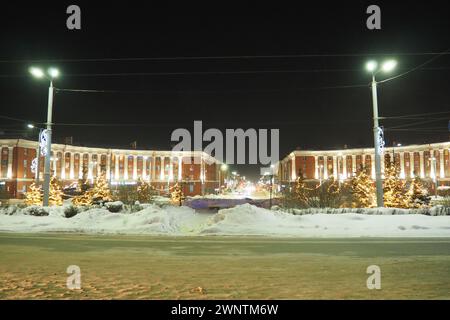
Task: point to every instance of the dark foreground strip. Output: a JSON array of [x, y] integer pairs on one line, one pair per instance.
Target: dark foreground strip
[[223, 309]]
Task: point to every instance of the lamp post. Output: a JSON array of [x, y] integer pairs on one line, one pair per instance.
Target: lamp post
[[372, 66], [51, 74]]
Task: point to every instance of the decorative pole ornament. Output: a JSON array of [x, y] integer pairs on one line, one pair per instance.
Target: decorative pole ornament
[[381, 143], [43, 139], [34, 165]]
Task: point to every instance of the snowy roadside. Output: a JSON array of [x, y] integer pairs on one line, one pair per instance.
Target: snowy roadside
[[241, 220]]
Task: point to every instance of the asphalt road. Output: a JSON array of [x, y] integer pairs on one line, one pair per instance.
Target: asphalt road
[[141, 267]]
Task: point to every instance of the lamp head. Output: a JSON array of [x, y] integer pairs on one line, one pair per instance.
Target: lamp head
[[371, 66], [53, 72], [389, 65], [36, 72]]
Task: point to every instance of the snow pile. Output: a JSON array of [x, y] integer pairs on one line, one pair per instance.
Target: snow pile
[[240, 220], [151, 220], [250, 220], [115, 206], [438, 210]]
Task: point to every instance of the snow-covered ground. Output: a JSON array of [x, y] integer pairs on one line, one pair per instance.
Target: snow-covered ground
[[240, 220]]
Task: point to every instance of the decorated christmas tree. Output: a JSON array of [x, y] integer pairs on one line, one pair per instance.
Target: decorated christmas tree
[[34, 195], [145, 191], [177, 194], [363, 189], [332, 186], [56, 194], [394, 188], [417, 195], [82, 199], [98, 194]]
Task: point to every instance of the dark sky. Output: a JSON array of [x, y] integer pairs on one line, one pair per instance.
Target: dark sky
[[235, 72]]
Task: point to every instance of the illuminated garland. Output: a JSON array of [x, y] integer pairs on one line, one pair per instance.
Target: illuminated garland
[[363, 190], [177, 194], [34, 195]]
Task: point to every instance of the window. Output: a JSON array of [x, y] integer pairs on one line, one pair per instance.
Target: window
[[25, 167], [4, 164]]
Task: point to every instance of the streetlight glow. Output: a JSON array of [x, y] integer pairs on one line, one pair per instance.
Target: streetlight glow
[[371, 66], [36, 72], [389, 65], [53, 72], [30, 126]]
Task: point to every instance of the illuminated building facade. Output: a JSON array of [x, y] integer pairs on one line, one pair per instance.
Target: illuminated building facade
[[428, 161], [196, 171]]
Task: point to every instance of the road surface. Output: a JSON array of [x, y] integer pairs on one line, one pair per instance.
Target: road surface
[[33, 266]]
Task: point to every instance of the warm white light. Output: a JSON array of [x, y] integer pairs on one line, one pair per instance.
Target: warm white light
[[389, 65], [30, 126], [38, 73], [223, 167], [53, 72], [371, 66]]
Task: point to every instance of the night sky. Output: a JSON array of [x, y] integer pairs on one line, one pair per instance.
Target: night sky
[[231, 67]]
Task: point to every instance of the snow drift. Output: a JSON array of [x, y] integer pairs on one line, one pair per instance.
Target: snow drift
[[240, 220]]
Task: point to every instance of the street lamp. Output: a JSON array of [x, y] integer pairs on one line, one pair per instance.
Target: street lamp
[[374, 68], [51, 74]]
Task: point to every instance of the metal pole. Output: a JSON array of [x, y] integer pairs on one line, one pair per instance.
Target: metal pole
[[49, 146], [379, 183]]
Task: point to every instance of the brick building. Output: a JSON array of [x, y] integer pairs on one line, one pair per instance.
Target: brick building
[[429, 161], [198, 172]]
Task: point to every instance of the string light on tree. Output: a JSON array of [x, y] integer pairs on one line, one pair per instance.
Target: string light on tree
[[145, 191], [56, 193], [417, 195], [363, 189], [34, 195], [177, 194], [394, 188]]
